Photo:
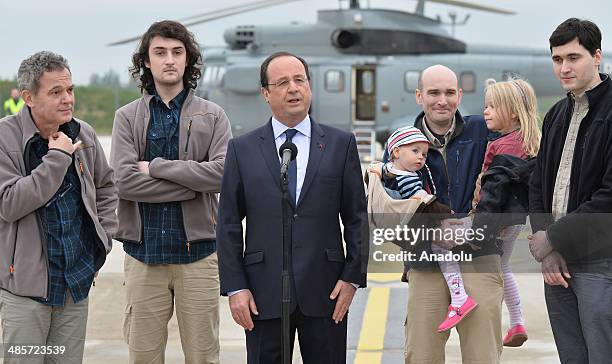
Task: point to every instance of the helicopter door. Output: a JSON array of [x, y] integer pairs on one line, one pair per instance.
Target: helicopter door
[[364, 109]]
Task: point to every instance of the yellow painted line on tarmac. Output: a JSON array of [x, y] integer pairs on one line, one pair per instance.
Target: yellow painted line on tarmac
[[372, 336], [368, 358], [384, 277]]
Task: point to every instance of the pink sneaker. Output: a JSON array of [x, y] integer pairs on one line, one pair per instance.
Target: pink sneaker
[[456, 314], [516, 336]]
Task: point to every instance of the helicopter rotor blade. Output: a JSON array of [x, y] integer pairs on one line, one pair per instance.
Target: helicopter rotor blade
[[469, 5], [228, 11], [217, 14], [237, 8], [124, 41]]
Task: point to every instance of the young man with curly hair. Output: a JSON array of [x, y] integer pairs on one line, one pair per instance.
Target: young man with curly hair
[[168, 148]]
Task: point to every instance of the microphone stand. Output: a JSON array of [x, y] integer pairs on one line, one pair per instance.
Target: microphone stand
[[286, 283]]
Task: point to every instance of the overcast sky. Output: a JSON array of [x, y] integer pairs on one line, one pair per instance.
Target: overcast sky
[[80, 29]]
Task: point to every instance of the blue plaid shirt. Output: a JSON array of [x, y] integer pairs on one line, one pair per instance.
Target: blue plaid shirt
[[69, 237], [164, 239]]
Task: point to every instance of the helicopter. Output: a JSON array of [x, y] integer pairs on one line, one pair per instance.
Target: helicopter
[[364, 65]]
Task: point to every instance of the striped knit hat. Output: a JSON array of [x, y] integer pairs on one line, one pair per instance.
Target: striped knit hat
[[405, 135]]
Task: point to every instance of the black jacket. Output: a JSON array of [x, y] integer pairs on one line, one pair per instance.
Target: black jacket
[[504, 197], [585, 233]]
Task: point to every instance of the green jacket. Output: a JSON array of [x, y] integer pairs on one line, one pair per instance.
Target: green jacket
[[11, 107]]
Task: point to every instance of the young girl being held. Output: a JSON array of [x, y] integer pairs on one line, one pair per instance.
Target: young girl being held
[[511, 110]]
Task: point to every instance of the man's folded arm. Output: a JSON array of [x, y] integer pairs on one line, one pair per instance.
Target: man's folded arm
[[202, 176], [132, 184]]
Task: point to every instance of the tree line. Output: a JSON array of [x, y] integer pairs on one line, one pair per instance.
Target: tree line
[[95, 103]]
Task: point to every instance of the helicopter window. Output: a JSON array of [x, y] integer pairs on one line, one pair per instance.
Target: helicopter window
[[334, 81], [411, 80], [468, 81], [367, 82]]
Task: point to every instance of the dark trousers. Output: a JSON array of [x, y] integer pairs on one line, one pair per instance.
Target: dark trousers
[[581, 315], [321, 340]]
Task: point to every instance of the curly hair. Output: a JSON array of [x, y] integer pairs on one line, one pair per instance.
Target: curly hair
[[33, 67], [167, 29]]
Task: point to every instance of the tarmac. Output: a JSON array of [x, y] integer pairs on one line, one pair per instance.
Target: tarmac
[[375, 324], [375, 321]]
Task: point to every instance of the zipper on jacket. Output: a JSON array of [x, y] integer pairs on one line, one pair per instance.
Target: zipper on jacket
[[142, 232], [80, 171], [185, 155], [45, 250], [59, 195], [457, 168], [448, 181], [183, 109], [146, 136], [188, 135], [12, 265], [145, 157], [212, 209], [43, 236], [185, 230]]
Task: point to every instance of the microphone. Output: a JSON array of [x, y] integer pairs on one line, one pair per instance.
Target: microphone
[[287, 151]]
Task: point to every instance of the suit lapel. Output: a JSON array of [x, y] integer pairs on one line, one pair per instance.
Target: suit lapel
[[269, 152], [317, 148]]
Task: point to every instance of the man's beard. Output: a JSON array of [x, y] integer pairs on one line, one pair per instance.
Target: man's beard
[[168, 83]]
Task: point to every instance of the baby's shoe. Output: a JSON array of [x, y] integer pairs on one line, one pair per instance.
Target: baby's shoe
[[456, 314], [516, 336]]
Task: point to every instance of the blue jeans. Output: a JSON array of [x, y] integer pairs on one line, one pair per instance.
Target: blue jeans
[[581, 315]]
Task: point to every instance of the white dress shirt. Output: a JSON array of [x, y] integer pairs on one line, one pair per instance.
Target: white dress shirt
[[301, 141]]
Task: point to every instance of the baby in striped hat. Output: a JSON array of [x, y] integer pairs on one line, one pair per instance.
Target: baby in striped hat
[[407, 148]]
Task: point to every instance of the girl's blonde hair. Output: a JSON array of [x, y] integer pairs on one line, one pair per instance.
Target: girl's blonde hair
[[517, 97]]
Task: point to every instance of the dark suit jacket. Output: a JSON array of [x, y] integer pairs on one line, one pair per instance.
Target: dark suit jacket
[[332, 188]]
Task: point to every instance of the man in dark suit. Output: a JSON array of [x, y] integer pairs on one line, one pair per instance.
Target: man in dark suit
[[325, 184]]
